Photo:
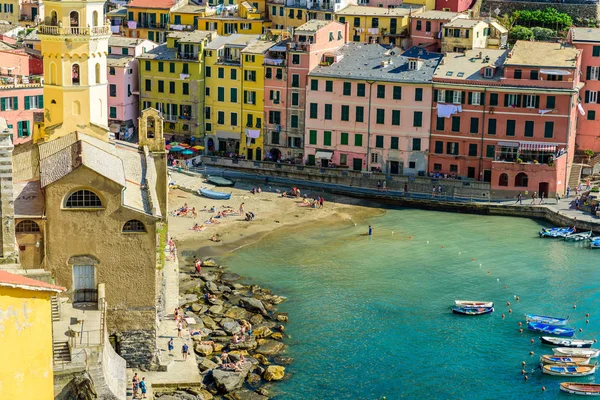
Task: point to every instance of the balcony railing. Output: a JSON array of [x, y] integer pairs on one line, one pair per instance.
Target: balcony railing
[[228, 60], [151, 25], [299, 46], [74, 30], [188, 56]]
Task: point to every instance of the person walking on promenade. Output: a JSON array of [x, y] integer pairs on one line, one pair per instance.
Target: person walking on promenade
[[406, 188], [557, 198], [439, 190], [184, 351], [433, 191], [170, 346], [533, 197], [179, 328], [242, 209], [143, 387], [519, 199], [384, 187], [577, 203], [542, 198], [379, 185], [568, 192], [135, 383]]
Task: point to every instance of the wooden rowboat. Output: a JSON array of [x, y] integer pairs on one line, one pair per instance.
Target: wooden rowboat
[[585, 389], [543, 319], [558, 359], [472, 310], [568, 351], [471, 303], [569, 370], [551, 329], [211, 194], [560, 342]]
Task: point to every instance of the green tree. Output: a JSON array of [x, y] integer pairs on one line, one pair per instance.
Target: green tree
[[520, 33], [542, 34]]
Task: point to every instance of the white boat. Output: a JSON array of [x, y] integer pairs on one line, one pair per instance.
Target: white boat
[[561, 342], [557, 359], [576, 237], [569, 370], [570, 351], [472, 303], [583, 389]]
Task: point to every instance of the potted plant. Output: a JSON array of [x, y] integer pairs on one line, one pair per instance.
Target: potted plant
[[519, 161], [589, 154]]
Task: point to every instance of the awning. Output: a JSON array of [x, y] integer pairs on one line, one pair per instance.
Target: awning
[[532, 146], [278, 48], [324, 154], [228, 135], [508, 144], [555, 72]]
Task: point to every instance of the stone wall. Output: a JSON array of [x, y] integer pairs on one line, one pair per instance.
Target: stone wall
[[591, 10], [135, 331]]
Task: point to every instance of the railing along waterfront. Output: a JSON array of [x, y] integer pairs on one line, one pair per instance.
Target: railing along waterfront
[[74, 30]]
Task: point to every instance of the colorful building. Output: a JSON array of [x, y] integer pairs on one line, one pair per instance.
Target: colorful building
[[10, 11], [286, 71], [588, 41], [172, 81], [507, 117], [369, 109], [235, 95], [428, 4], [26, 365], [31, 12], [453, 5], [149, 19], [462, 34], [426, 28], [123, 84], [287, 14], [378, 25]]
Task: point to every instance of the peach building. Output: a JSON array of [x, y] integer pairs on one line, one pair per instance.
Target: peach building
[[507, 117], [426, 29], [370, 110]]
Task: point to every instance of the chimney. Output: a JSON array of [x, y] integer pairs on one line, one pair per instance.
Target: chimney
[[346, 32]]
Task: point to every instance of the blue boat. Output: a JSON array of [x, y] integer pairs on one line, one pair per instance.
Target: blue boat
[[472, 310], [211, 194], [556, 232], [550, 329], [595, 242], [542, 319]]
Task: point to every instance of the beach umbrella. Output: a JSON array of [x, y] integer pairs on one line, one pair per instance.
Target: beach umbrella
[[184, 145], [168, 147], [174, 143], [187, 152], [198, 147], [176, 149]]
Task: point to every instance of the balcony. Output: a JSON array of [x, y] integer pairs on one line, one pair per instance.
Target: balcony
[[275, 61], [187, 56], [20, 82], [302, 46], [146, 25], [228, 60], [169, 117], [74, 30]]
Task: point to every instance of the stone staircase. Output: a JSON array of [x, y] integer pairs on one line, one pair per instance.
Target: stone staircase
[[574, 176], [594, 160], [61, 352], [55, 308]]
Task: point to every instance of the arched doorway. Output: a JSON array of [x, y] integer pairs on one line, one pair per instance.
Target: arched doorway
[[543, 187], [75, 75], [74, 19], [53, 18], [503, 180], [95, 18], [521, 180], [275, 154]]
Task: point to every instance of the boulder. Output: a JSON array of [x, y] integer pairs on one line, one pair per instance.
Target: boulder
[[205, 395], [282, 318], [206, 364], [261, 331], [216, 310], [270, 347], [277, 336], [262, 359], [238, 286], [253, 304], [211, 287], [236, 313], [203, 349], [230, 277], [245, 394], [196, 307], [228, 381], [184, 395], [231, 327], [247, 345], [253, 378], [209, 322], [224, 289], [274, 373], [256, 319], [217, 347], [208, 277], [283, 360], [219, 332]]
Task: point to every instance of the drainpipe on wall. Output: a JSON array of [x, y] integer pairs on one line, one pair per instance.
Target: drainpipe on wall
[[369, 126], [568, 137], [482, 135]]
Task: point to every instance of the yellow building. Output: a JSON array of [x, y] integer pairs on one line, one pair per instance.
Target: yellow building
[[10, 11], [149, 19], [172, 81], [377, 24], [26, 370], [460, 35], [235, 95]]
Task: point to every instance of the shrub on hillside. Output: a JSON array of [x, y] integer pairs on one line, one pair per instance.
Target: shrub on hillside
[[520, 33], [542, 34]]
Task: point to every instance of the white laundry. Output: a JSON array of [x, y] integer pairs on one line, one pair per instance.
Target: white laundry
[[544, 111], [447, 110], [580, 108]]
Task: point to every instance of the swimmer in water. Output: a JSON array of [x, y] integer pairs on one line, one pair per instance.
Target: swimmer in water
[[370, 231]]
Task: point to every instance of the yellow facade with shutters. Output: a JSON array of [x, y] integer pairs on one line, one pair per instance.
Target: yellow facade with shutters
[[147, 23]]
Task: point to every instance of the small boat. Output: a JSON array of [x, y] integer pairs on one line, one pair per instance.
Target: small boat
[[218, 181], [595, 242], [576, 237], [542, 319], [556, 232], [551, 329], [569, 351], [471, 303], [472, 310], [575, 343], [558, 359], [211, 194], [569, 370], [585, 389]]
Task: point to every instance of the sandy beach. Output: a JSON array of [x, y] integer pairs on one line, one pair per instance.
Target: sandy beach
[[272, 212]]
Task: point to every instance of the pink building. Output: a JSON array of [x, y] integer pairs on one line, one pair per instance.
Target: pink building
[[314, 43], [588, 127], [20, 93], [426, 28], [123, 85], [453, 5], [507, 117], [370, 110]]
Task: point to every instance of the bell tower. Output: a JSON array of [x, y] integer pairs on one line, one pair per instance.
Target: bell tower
[[74, 39]]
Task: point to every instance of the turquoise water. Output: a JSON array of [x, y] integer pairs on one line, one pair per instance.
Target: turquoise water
[[370, 316]]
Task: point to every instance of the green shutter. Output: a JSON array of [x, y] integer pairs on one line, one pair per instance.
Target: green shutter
[[3, 104], [20, 128], [151, 35], [28, 128], [130, 16], [327, 138], [27, 103], [41, 101], [312, 137], [15, 103]]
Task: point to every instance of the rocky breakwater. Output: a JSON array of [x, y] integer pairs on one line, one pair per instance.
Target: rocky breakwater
[[238, 335]]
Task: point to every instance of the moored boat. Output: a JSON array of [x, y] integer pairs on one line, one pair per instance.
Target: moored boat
[[576, 343], [569, 351], [473, 303], [569, 370], [556, 232], [551, 329], [211, 194], [219, 181], [585, 389], [472, 310], [595, 243], [576, 237], [558, 359], [542, 319]]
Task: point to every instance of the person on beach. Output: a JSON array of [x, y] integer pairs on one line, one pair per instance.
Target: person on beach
[[135, 383], [176, 313], [370, 230], [143, 387], [321, 202], [224, 357], [406, 188], [198, 265], [519, 199], [184, 351], [179, 328], [384, 186], [242, 209], [170, 346]]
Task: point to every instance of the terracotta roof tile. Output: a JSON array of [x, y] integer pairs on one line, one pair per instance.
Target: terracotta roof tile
[[19, 281]]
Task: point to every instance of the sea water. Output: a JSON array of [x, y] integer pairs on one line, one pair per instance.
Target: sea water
[[370, 316]]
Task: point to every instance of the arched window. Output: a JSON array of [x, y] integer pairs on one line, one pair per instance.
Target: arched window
[[150, 127], [53, 74], [75, 75], [53, 18], [133, 225], [76, 108], [98, 76], [503, 180], [83, 199], [521, 180], [27, 226], [95, 18], [74, 19]]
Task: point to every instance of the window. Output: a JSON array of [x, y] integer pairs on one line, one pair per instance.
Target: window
[[518, 73], [529, 126], [396, 117], [185, 68], [381, 91], [295, 80], [380, 116], [233, 73], [549, 129], [295, 59], [379, 141], [532, 101], [345, 113], [418, 119], [360, 90], [328, 111], [134, 225], [474, 125], [327, 138], [374, 22], [112, 89], [357, 22], [233, 95], [233, 118], [220, 117], [314, 110], [396, 93], [418, 27], [24, 128], [250, 76], [360, 111], [294, 121], [416, 144], [344, 138], [521, 180], [171, 87], [249, 120], [112, 112], [314, 84], [472, 150], [512, 100], [329, 86], [275, 117], [347, 89], [312, 138], [83, 199], [275, 137], [452, 148], [172, 68], [395, 143], [161, 66], [27, 226], [161, 86], [591, 115], [475, 98], [250, 58], [439, 147], [457, 97], [439, 123], [374, 157], [207, 72], [591, 96], [268, 72], [510, 127], [207, 91], [493, 99], [455, 123], [220, 94], [491, 126], [550, 102], [596, 51], [358, 139], [490, 150], [295, 99], [34, 102], [207, 112], [249, 97], [418, 94], [148, 66], [534, 75], [503, 180], [148, 85], [112, 71]]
